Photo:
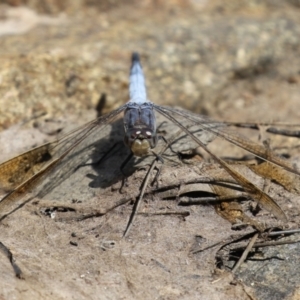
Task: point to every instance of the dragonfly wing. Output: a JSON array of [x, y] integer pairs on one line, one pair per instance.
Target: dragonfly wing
[[22, 167], [217, 129], [45, 167]]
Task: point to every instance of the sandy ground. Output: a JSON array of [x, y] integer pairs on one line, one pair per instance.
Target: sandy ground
[[233, 62]]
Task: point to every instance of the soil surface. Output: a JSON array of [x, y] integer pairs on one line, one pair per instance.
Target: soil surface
[[63, 65]]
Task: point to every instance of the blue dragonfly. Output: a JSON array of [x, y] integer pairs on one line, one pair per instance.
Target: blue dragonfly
[[24, 174]]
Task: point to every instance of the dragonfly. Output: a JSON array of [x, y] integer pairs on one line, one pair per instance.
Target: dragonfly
[[25, 174]]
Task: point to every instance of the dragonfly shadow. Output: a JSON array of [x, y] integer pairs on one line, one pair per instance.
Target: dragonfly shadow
[[95, 163], [108, 157]]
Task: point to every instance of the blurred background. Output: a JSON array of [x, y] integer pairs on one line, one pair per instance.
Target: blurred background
[[236, 60]]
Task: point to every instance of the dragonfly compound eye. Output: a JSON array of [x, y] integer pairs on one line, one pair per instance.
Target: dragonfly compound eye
[[135, 135], [148, 134]]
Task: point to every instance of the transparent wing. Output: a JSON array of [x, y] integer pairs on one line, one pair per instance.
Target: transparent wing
[[219, 129], [51, 162]]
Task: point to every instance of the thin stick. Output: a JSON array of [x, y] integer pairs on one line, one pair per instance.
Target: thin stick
[[274, 233], [167, 213], [266, 244], [137, 202], [245, 253]]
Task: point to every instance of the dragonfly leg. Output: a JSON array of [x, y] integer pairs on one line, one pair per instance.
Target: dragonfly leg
[[155, 180], [158, 158], [168, 144]]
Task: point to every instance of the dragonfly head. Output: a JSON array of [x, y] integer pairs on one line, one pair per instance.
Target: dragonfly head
[[140, 141], [139, 128]]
